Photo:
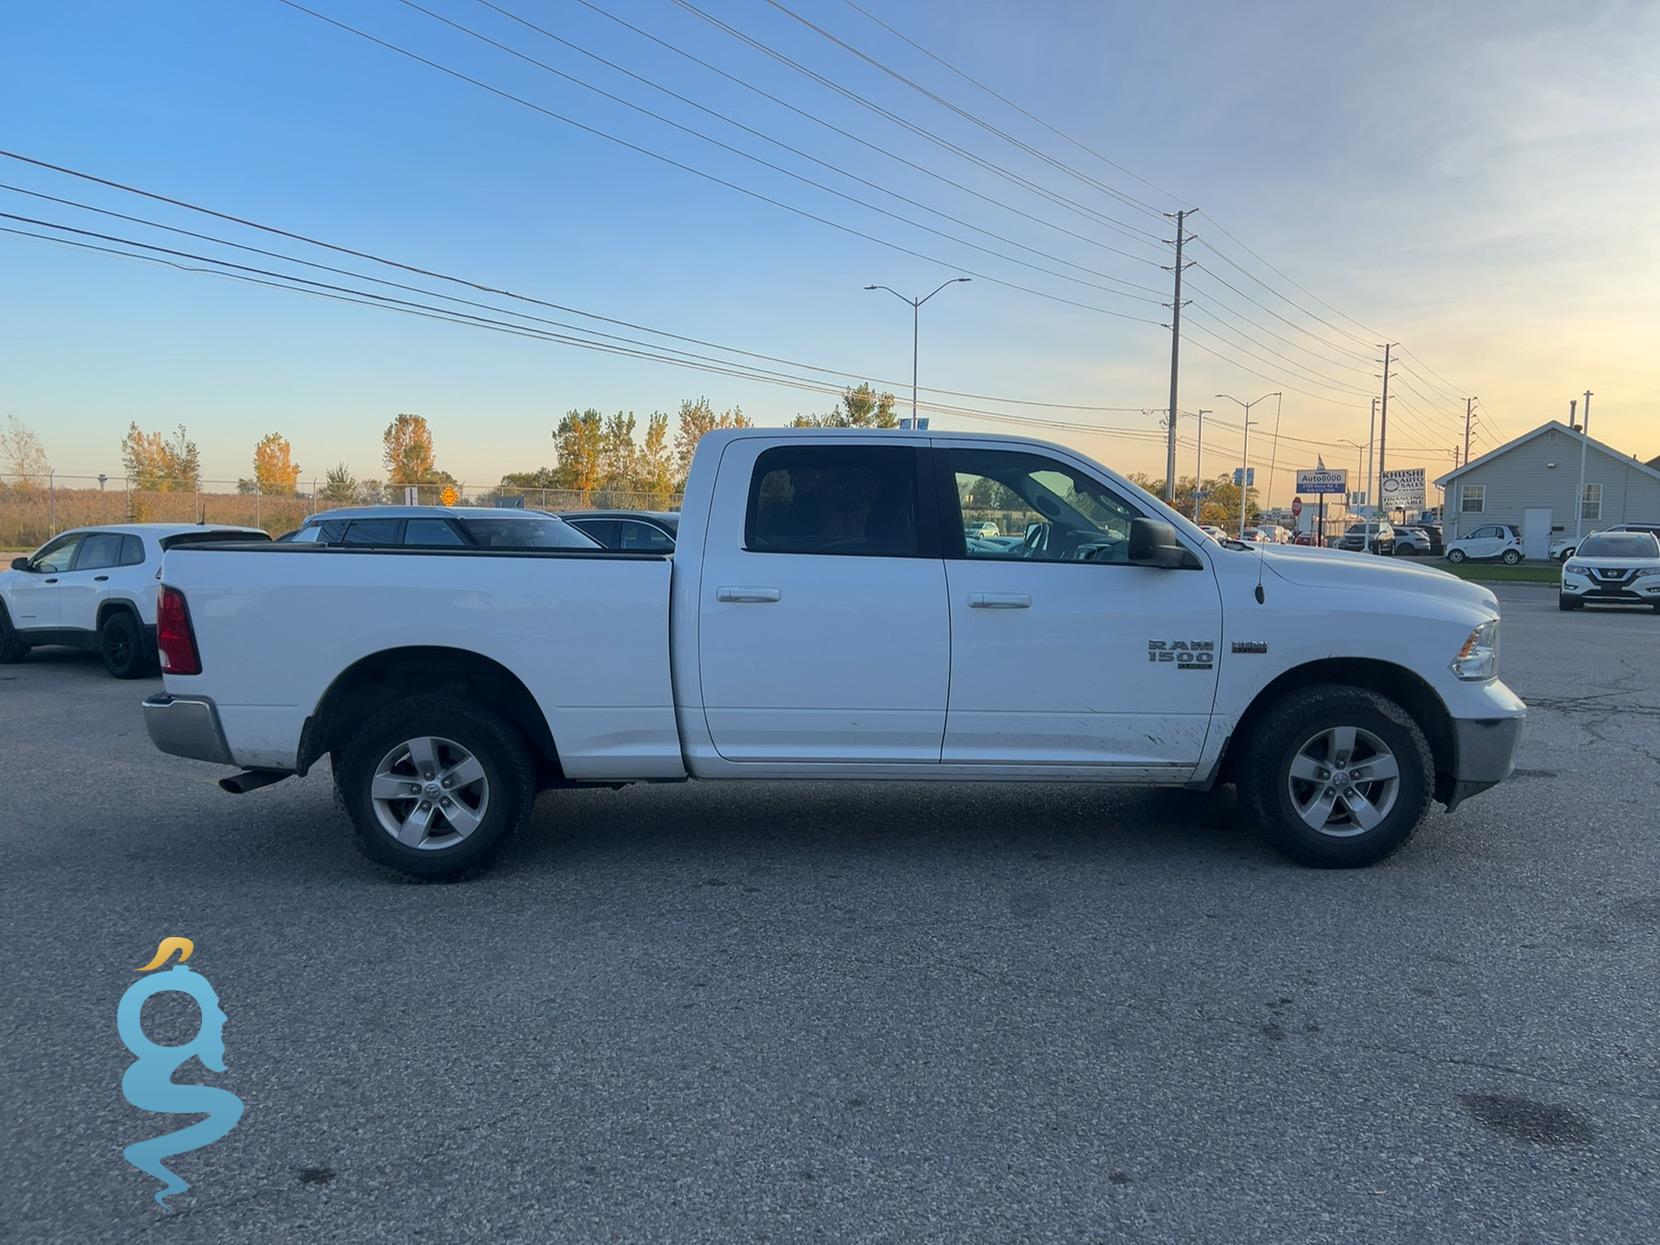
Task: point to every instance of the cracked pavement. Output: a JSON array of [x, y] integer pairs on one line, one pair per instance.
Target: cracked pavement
[[854, 1012]]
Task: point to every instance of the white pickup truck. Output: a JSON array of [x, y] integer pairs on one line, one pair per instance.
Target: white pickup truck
[[826, 615]]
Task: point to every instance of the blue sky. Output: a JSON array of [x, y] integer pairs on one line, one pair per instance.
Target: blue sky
[[1478, 190]]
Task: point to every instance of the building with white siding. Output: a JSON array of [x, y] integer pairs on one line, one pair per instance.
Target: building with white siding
[[1529, 483]]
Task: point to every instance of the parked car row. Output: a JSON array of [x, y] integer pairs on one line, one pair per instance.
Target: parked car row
[[96, 588]]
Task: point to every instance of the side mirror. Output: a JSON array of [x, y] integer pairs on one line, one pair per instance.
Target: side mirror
[[1154, 543], [20, 564]]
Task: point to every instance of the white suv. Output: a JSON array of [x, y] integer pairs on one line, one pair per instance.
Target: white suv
[[1615, 568], [95, 588]]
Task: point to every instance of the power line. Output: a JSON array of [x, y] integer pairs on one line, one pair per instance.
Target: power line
[[1283, 358], [1059, 166], [777, 168], [921, 131], [1010, 103], [697, 172], [806, 115]]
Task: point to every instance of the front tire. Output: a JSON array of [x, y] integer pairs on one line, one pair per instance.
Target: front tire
[[435, 786], [121, 645], [1455, 556], [1511, 557], [1336, 777], [12, 649], [1564, 601]]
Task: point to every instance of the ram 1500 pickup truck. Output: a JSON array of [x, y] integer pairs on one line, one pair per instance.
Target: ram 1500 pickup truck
[[825, 615]]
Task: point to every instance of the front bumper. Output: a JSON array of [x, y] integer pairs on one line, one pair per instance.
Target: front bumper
[[1629, 590], [1485, 748], [186, 726]]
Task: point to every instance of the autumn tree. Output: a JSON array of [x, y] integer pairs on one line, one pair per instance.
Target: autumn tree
[[656, 463], [697, 419], [22, 457], [406, 449], [161, 464], [618, 452], [579, 443], [859, 407], [339, 486], [275, 471]]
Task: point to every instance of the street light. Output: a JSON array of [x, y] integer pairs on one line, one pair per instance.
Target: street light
[[1245, 451], [916, 310], [1199, 468]]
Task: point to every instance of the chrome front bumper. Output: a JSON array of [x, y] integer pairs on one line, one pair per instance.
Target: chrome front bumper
[[186, 726]]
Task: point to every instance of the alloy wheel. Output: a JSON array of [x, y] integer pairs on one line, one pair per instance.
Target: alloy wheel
[[430, 793], [1343, 781]]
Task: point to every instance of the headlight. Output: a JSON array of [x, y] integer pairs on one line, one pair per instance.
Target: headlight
[[1646, 570], [1577, 568], [1479, 658]]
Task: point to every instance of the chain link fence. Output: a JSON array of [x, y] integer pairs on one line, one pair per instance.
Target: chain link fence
[[33, 508]]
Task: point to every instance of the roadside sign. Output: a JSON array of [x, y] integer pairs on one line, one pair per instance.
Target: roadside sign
[[1296, 507], [1246, 476], [412, 494], [1403, 488], [1323, 480], [921, 423]]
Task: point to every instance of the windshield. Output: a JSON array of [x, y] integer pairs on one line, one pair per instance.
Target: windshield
[[540, 533], [1620, 545]]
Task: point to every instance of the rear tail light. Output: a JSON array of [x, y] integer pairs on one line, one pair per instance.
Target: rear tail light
[[175, 639]]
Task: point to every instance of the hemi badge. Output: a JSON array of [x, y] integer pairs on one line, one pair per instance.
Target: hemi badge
[[1250, 646]]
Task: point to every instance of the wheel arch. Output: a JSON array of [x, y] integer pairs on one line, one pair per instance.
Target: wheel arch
[[390, 674], [1394, 682], [117, 605]]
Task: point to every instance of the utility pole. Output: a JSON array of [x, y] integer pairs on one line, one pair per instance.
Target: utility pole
[[1584, 440], [1199, 468], [1383, 434], [1274, 457], [1175, 355], [1469, 405], [1371, 450]]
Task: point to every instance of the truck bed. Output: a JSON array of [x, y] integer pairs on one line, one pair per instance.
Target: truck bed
[[586, 633]]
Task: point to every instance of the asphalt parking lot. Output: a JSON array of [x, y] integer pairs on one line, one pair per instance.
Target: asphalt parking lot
[[956, 1013]]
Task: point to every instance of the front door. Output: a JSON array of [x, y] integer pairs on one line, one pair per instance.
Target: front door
[[1486, 541], [822, 630], [1062, 653], [34, 593], [1536, 532]]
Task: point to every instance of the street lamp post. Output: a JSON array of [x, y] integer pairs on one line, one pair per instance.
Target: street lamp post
[[1360, 460], [916, 313], [1199, 469], [1245, 452]]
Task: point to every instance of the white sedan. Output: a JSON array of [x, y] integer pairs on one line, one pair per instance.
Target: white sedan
[[1612, 568]]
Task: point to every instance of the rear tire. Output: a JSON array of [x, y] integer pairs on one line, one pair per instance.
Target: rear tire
[[12, 649], [398, 810], [1455, 556], [1387, 771], [121, 645], [1510, 557]]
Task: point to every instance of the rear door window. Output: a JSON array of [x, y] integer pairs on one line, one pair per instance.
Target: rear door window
[[855, 500], [375, 532], [132, 551], [640, 537], [98, 551], [602, 530], [432, 533]]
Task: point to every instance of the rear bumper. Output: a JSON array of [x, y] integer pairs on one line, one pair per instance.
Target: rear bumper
[[186, 726]]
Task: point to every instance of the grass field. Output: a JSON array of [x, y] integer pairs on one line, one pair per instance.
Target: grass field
[[1498, 572]]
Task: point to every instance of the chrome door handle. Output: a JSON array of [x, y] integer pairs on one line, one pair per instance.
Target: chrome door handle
[[753, 595], [999, 601]]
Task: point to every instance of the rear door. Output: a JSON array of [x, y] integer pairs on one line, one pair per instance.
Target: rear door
[[823, 634], [1061, 652], [84, 585]]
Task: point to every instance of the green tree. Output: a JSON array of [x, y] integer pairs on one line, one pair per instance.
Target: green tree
[[275, 471], [339, 486], [859, 407], [370, 492], [697, 420], [406, 449], [161, 464]]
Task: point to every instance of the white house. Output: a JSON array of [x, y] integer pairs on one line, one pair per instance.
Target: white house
[[1530, 483]]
